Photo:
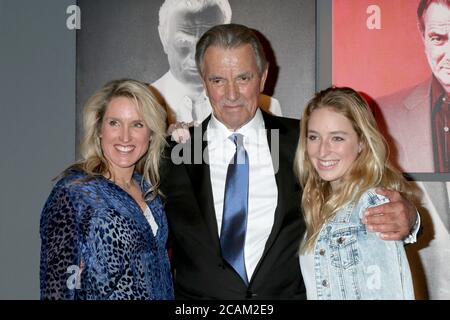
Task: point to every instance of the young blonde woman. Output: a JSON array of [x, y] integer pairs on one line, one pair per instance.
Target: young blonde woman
[[341, 158], [103, 227]]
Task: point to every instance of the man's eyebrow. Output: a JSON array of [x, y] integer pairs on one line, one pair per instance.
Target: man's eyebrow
[[194, 26], [185, 27], [214, 77], [189, 32], [437, 31], [440, 33], [245, 74]]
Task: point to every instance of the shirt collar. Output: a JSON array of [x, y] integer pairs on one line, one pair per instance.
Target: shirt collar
[[437, 93], [253, 131]]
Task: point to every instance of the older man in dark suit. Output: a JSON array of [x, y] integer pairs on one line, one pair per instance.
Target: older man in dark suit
[[232, 198]]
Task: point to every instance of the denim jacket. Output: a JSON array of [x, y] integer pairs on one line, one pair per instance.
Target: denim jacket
[[352, 263]]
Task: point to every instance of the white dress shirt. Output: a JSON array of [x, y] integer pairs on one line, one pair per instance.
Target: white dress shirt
[[177, 97], [263, 191]]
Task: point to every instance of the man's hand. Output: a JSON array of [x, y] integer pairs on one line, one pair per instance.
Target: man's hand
[[180, 131], [392, 220]]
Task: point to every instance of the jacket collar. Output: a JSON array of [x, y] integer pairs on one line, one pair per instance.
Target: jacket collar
[[419, 96]]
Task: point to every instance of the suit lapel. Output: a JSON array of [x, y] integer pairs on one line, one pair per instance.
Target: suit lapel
[[419, 97], [437, 192], [201, 181], [418, 113]]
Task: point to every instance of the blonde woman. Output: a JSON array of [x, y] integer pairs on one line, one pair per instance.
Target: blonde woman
[[103, 227], [341, 158]]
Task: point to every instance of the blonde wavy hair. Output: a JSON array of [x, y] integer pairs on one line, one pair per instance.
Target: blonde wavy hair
[[370, 169], [93, 161]]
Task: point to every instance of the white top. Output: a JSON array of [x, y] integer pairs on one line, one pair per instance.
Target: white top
[[263, 191], [309, 275], [178, 98], [151, 220]]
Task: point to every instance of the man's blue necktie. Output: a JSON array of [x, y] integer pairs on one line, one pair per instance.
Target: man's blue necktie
[[235, 208]]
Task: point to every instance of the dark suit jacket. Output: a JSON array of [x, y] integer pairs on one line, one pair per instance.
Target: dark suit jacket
[[200, 270]]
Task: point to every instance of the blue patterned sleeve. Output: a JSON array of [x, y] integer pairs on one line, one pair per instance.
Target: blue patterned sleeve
[[60, 254]]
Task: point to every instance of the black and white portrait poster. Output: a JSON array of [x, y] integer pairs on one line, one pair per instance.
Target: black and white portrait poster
[[135, 39]]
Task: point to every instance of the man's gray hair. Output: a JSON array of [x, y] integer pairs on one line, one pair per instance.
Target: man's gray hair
[[230, 36], [169, 6]]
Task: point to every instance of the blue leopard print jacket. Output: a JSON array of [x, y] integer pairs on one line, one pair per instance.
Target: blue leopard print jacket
[[96, 243]]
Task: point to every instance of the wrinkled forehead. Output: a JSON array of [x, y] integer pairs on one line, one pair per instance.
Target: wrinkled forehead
[[437, 15], [187, 18]]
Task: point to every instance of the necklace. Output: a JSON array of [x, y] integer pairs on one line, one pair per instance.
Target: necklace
[[126, 185]]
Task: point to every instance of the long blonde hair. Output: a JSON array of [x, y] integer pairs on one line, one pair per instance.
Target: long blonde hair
[[370, 169], [93, 161]]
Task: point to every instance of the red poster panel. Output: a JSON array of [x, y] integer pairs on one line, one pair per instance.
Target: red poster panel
[[377, 47], [379, 50]]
